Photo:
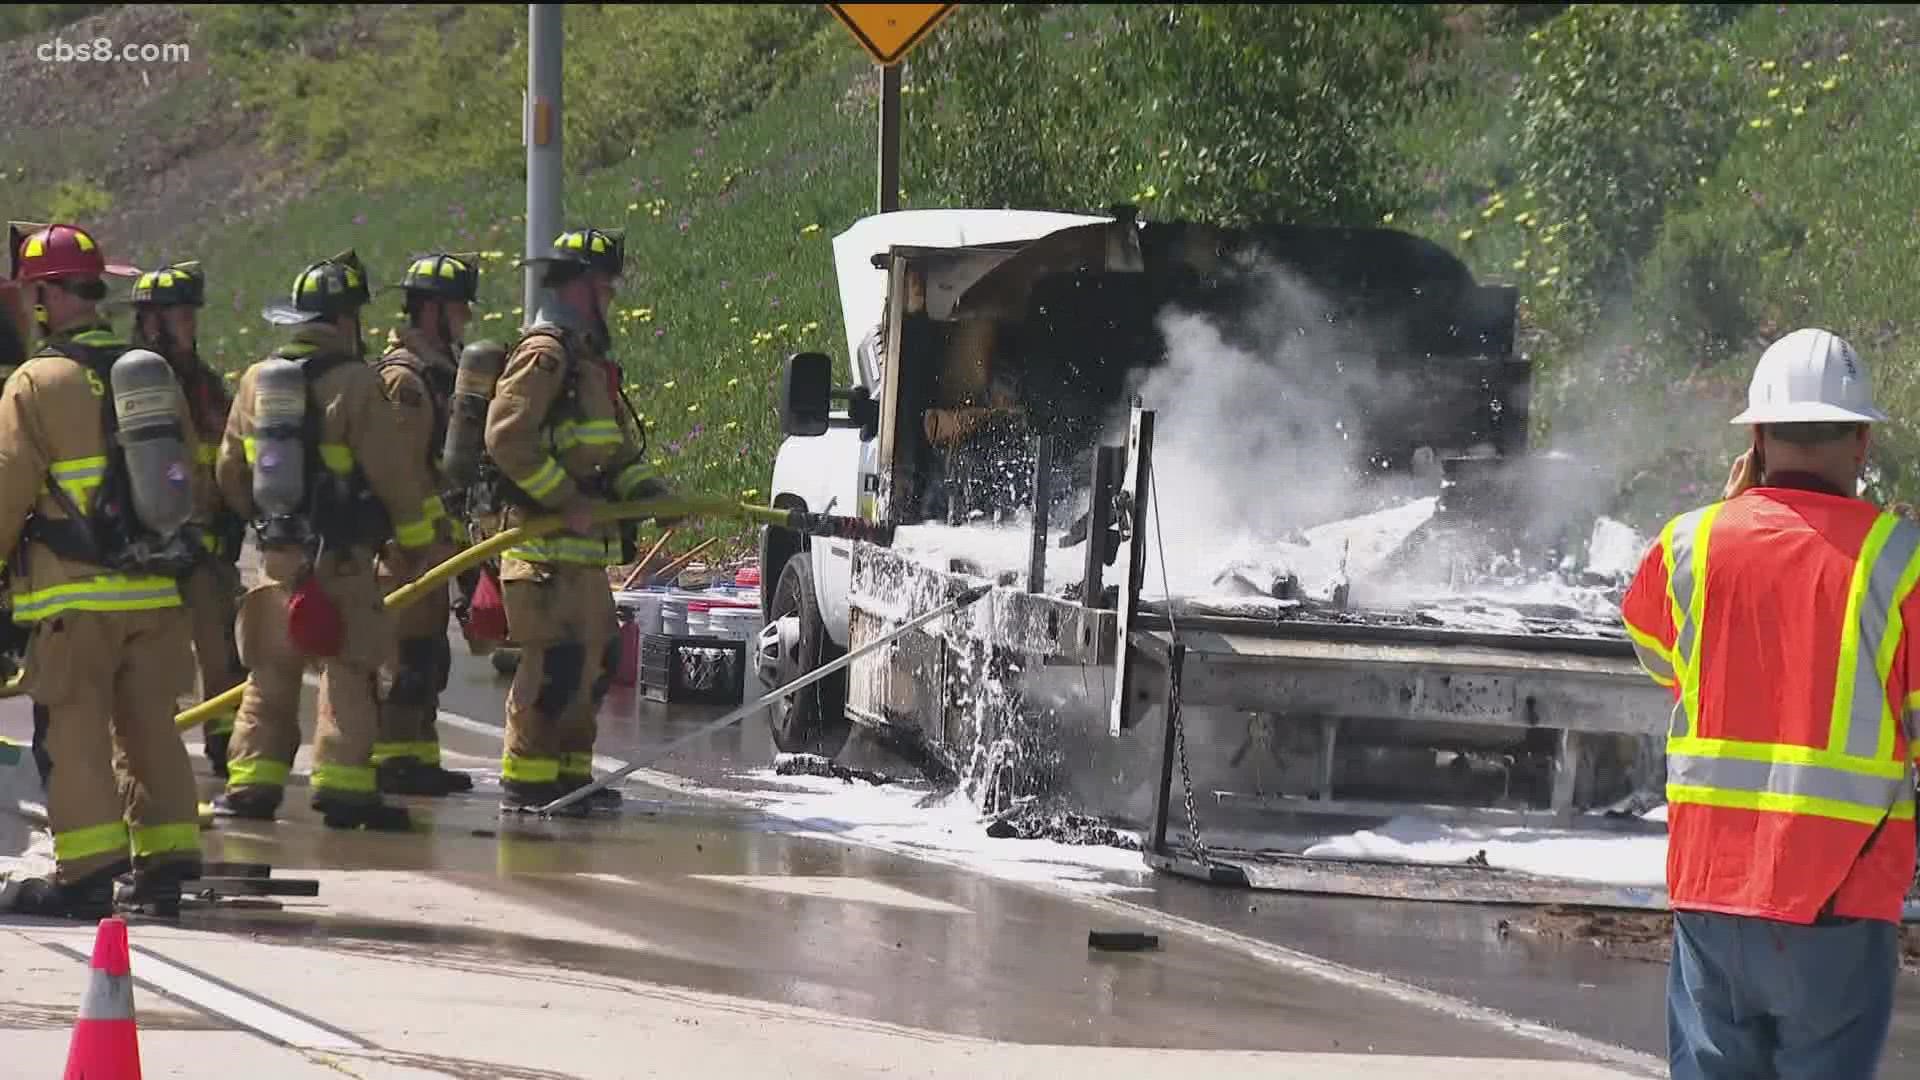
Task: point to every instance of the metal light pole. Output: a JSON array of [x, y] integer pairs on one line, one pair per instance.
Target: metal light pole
[[889, 138], [541, 125]]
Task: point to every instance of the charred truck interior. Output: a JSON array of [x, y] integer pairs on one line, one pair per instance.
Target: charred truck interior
[[1003, 392]]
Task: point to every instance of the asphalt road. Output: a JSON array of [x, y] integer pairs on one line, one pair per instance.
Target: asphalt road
[[691, 932]]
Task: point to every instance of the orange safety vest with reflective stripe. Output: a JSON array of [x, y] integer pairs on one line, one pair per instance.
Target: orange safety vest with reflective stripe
[[1779, 619]]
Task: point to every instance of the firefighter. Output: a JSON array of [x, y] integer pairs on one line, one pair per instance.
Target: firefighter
[[561, 437], [418, 373], [166, 320], [16, 336], [1782, 618], [313, 456], [98, 528]]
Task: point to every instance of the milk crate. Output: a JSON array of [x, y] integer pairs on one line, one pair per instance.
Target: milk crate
[[692, 670]]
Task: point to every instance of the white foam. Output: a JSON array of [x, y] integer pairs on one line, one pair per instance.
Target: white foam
[[891, 816], [1617, 860]]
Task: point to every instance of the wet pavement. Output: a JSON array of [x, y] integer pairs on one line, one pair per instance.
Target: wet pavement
[[690, 893], [1458, 950]]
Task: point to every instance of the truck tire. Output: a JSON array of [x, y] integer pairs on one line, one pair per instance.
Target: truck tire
[[814, 720]]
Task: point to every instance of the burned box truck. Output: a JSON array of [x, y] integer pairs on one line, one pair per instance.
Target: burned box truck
[[1273, 558]]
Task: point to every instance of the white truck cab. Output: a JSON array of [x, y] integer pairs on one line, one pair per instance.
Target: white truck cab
[[840, 464]]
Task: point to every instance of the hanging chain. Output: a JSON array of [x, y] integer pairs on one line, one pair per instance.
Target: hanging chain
[[1178, 658]]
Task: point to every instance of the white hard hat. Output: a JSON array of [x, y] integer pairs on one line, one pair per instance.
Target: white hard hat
[[1810, 376]]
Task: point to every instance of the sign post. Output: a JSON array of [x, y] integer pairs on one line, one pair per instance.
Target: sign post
[[888, 32]]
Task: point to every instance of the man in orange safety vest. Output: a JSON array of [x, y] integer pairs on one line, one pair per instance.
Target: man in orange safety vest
[[1783, 619]]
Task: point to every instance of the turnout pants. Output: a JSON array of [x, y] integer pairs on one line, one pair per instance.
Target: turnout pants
[[266, 734], [411, 685], [122, 789], [212, 593], [561, 616], [1753, 999]]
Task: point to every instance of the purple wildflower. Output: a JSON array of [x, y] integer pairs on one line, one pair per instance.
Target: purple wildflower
[[359, 219]]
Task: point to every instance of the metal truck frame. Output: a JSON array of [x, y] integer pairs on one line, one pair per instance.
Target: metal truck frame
[[1231, 744]]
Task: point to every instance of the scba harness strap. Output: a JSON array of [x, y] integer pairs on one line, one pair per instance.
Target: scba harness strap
[[341, 508], [439, 383], [107, 532], [498, 488]]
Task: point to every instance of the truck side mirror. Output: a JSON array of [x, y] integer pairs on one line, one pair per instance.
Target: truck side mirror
[[806, 394]]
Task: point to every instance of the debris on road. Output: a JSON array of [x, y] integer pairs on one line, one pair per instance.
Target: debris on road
[[1032, 821], [1121, 941], [1632, 935], [815, 765]]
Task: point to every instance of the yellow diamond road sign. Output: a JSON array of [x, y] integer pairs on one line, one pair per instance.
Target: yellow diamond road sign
[[889, 31]]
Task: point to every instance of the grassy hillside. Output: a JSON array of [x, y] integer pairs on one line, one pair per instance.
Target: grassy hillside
[[1670, 185]]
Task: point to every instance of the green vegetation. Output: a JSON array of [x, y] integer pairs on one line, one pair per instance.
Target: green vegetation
[[20, 20], [1231, 112], [1671, 186], [78, 200], [430, 92]]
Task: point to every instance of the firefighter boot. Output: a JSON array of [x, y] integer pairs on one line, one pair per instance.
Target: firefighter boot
[[520, 797], [411, 776], [340, 813], [155, 889], [88, 899], [252, 803]]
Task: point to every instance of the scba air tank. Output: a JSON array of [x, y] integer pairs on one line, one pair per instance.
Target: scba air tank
[[279, 420], [480, 367], [153, 440]]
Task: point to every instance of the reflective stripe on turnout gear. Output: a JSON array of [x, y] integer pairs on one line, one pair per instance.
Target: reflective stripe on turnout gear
[[101, 592], [256, 772], [150, 840], [541, 482], [79, 478], [576, 764], [76, 844], [627, 484], [568, 434], [427, 753], [529, 770], [357, 779]]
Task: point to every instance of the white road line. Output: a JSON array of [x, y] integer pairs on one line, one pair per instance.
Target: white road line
[[242, 1009], [239, 1008], [1278, 955]]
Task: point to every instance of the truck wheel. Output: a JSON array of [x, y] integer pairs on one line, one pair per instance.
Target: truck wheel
[[794, 642]]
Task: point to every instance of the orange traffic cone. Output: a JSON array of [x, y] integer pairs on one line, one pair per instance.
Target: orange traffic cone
[[106, 1045]]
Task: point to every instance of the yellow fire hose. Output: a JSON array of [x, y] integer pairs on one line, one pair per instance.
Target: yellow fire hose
[[676, 506]]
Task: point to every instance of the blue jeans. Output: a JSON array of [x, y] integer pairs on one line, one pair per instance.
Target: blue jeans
[[1753, 999]]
